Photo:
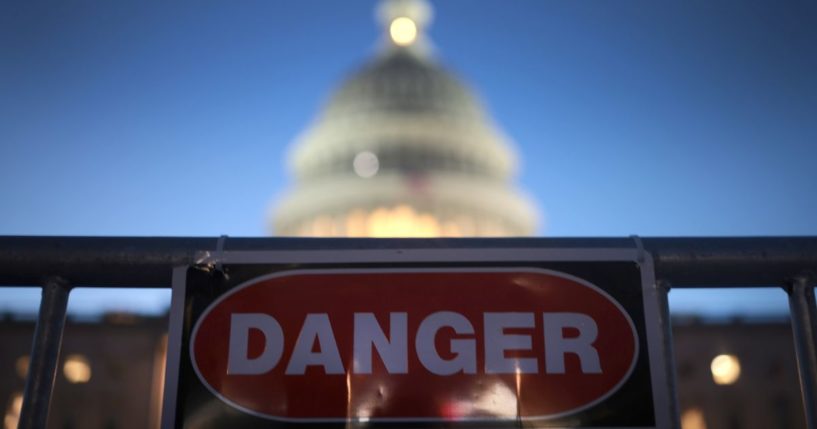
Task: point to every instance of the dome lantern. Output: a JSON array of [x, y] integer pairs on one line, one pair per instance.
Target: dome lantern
[[404, 22]]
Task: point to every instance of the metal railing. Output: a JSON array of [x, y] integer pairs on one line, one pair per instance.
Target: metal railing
[[59, 263]]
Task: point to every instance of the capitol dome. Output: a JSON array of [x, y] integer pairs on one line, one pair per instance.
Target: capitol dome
[[403, 149]]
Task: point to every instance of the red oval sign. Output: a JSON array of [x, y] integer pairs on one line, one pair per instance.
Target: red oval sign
[[419, 345]]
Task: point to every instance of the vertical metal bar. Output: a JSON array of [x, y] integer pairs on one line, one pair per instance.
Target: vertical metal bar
[[804, 328], [44, 354], [662, 289]]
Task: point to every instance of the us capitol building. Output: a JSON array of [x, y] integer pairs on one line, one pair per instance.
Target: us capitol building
[[403, 149]]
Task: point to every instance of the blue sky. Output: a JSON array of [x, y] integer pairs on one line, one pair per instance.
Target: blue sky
[[630, 117]]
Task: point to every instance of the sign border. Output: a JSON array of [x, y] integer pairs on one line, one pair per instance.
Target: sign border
[[652, 305], [330, 271]]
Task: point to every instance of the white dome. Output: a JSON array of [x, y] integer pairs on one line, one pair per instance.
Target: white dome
[[410, 110], [403, 132]]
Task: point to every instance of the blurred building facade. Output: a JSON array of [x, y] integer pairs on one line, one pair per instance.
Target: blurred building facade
[[110, 374], [738, 374], [731, 375], [403, 149]]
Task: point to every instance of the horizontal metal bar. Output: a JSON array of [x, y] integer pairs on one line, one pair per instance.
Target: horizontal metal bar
[[148, 261]]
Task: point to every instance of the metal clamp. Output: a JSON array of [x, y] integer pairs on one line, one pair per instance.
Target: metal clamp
[[219, 253], [639, 245], [212, 262]]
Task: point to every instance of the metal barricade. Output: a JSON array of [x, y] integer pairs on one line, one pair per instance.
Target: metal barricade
[[59, 263]]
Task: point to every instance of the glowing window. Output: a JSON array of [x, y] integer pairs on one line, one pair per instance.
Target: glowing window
[[77, 369], [725, 369], [402, 221], [12, 417], [693, 418], [21, 365]]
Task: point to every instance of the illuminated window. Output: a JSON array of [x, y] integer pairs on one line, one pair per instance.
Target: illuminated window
[[13, 411], [693, 418], [402, 221], [77, 369], [357, 224], [725, 369], [324, 226], [21, 365]]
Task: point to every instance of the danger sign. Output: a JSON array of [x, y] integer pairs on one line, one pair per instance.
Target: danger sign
[[463, 342]]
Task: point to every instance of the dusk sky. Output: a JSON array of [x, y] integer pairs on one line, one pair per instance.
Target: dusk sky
[[630, 117]]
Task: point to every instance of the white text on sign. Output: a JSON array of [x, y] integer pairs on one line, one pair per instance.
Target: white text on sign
[[393, 349]]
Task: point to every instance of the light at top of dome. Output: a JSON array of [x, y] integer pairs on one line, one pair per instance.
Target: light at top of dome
[[403, 31]]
